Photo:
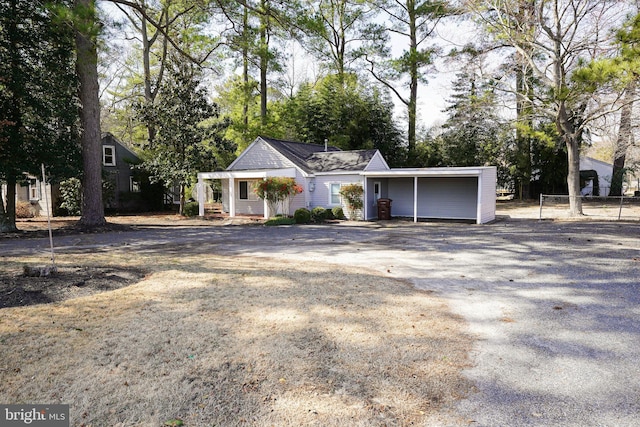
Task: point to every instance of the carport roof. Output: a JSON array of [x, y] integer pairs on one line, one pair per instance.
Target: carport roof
[[427, 172]]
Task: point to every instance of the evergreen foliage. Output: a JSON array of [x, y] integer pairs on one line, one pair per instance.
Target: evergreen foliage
[[38, 98], [188, 131]]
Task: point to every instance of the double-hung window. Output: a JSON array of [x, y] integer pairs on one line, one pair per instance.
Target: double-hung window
[[108, 155], [334, 194], [34, 189], [245, 192]]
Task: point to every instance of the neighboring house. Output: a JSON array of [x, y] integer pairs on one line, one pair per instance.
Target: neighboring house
[[603, 172], [465, 193], [117, 167], [41, 200], [129, 190]]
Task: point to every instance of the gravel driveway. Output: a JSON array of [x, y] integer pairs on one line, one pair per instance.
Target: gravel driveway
[[554, 305]]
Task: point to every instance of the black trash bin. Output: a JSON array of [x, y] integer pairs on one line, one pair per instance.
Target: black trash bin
[[384, 208]]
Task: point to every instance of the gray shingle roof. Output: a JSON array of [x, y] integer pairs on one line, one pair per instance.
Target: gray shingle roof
[[313, 158]]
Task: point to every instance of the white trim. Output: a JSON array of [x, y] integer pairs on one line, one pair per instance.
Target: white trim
[[415, 199], [331, 203], [34, 184], [251, 196], [264, 173], [104, 155]]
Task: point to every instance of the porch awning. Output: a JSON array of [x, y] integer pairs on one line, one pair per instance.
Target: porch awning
[[248, 174]]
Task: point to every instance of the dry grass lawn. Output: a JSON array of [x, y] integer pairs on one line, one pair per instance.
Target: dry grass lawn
[[215, 341]]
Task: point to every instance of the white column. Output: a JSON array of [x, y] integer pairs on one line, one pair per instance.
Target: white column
[[415, 199], [232, 197], [200, 196], [365, 205], [479, 200]]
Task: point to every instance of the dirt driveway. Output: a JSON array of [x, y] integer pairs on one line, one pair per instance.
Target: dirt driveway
[[553, 304]]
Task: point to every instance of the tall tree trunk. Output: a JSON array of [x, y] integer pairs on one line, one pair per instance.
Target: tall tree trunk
[[87, 71], [264, 58], [246, 90], [625, 139], [146, 62], [413, 83], [570, 132], [8, 210], [524, 94]]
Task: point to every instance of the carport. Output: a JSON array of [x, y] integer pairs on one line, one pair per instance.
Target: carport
[[464, 193]]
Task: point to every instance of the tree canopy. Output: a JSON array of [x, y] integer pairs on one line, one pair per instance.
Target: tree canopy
[[38, 99]]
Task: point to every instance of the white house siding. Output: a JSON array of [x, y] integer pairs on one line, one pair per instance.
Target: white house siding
[[320, 196], [372, 204], [377, 163], [260, 156], [447, 198], [487, 188], [604, 170], [400, 191], [438, 197]]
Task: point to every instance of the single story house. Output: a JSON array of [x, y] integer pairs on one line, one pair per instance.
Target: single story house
[[461, 193]]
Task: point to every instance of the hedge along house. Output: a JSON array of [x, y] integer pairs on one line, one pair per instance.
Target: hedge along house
[[426, 193]]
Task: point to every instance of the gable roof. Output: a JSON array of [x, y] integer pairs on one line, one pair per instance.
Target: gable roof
[[314, 158]]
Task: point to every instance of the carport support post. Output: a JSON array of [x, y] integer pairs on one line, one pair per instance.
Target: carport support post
[[200, 196], [232, 197], [415, 199]]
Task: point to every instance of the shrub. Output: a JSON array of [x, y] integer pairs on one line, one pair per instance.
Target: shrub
[[24, 210], [280, 220], [277, 190], [318, 214], [302, 216], [337, 212], [191, 209], [71, 196], [352, 194], [329, 214]]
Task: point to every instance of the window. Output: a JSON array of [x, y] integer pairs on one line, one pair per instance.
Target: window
[[376, 191], [108, 155], [34, 189], [244, 190], [334, 194], [134, 186]]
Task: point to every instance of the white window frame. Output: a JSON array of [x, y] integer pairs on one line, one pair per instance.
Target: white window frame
[[104, 155], [331, 201], [377, 194], [134, 186], [251, 196], [34, 189]]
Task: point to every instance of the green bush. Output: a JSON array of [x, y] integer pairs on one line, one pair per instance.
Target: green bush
[[329, 214], [302, 216], [338, 213], [318, 214], [71, 196], [191, 209], [280, 220]]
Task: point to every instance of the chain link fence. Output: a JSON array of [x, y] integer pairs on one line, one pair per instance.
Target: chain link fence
[[612, 208]]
